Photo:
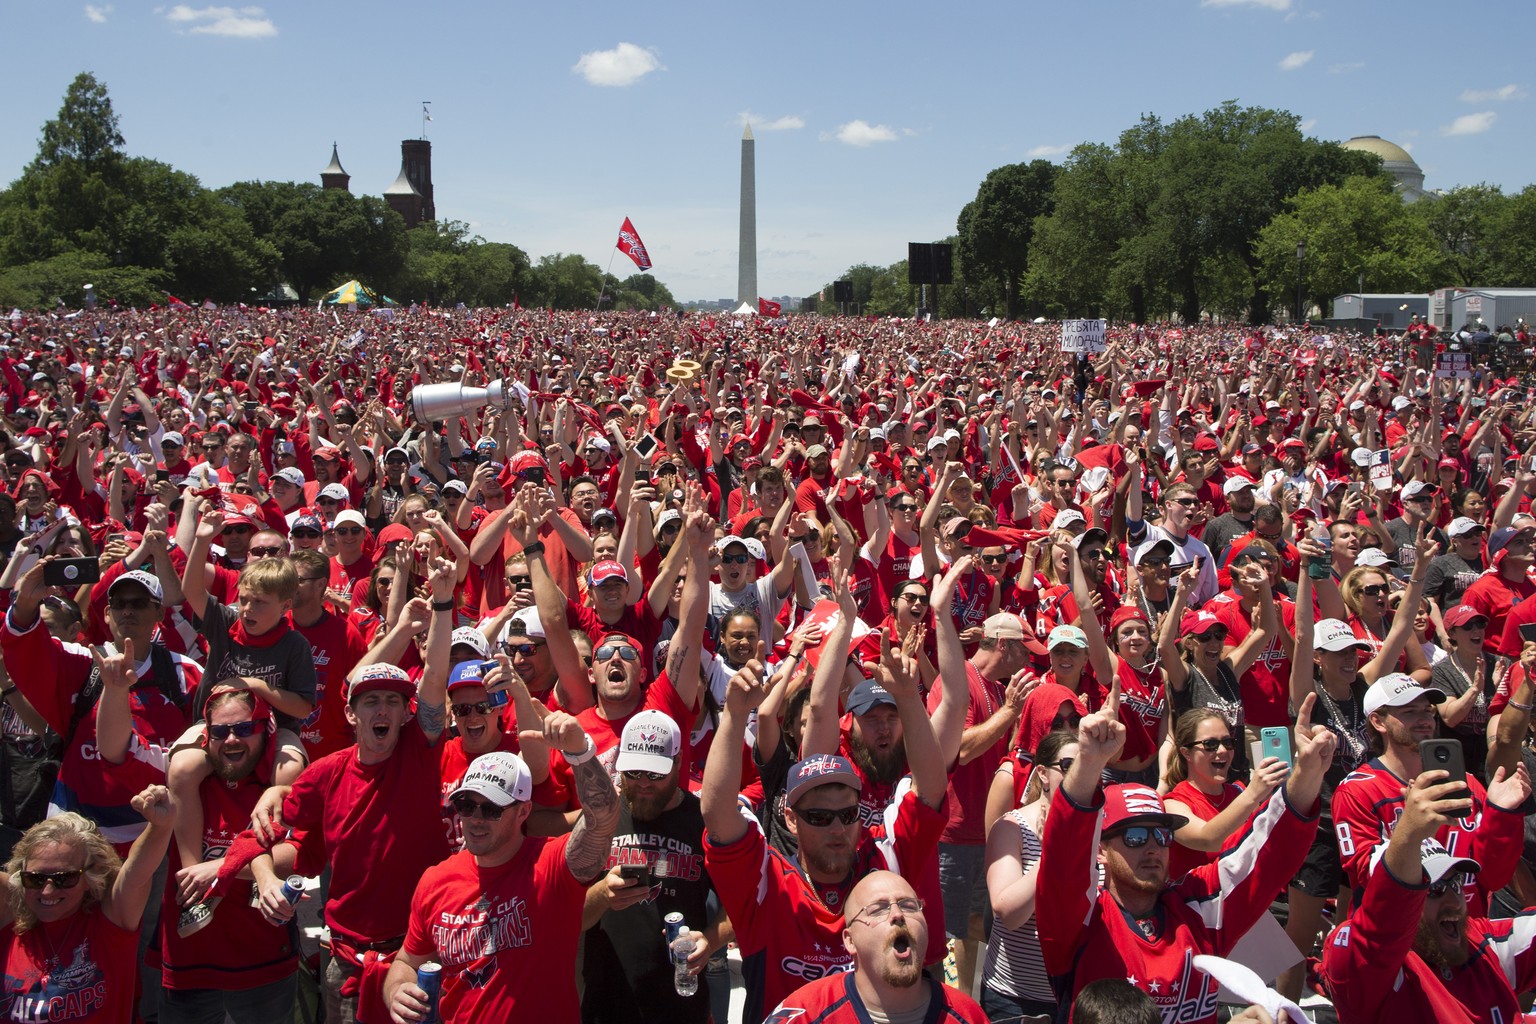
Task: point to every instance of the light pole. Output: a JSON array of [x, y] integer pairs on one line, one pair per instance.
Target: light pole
[[1301, 254]]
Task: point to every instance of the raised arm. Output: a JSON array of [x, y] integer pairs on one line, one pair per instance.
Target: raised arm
[[531, 507], [124, 904], [949, 716], [723, 819], [685, 651]]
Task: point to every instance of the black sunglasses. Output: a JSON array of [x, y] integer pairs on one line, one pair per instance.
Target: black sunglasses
[[468, 807], [1062, 765], [243, 730], [1210, 746], [481, 707], [639, 776], [735, 559], [1374, 589], [822, 817], [1435, 891], [1137, 836], [526, 650], [607, 651], [61, 879]]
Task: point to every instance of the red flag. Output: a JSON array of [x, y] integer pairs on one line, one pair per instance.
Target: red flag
[[630, 245], [766, 308], [174, 301]]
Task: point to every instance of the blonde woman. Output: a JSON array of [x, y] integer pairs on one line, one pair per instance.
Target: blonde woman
[[73, 913]]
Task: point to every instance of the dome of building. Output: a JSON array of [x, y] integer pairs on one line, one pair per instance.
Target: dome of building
[[1396, 160]]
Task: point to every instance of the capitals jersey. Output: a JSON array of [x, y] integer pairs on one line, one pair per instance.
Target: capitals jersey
[[1085, 935], [790, 932], [1368, 803], [835, 1000], [1374, 975]]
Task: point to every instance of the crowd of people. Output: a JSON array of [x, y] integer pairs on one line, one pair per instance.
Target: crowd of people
[[910, 660]]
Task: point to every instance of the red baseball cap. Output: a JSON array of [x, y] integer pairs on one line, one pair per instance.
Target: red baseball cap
[[1132, 803]]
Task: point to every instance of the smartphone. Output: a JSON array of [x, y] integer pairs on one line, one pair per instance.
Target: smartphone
[[1446, 755], [643, 477], [71, 572], [646, 446], [1275, 742], [162, 475], [1528, 632], [250, 409], [636, 873]]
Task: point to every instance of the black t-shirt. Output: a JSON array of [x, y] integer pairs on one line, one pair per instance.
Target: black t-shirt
[[288, 664], [774, 775], [1448, 578], [626, 967]]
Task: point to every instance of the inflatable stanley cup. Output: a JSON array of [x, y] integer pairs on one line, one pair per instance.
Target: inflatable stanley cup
[[446, 401]]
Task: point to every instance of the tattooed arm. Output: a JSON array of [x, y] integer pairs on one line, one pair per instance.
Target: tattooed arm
[[586, 852]]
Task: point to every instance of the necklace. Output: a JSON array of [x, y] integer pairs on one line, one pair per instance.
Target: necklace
[[1346, 728], [53, 961]]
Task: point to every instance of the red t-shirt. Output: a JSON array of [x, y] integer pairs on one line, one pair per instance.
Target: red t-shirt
[[501, 934], [1266, 684], [1182, 860], [338, 646], [1493, 596], [83, 969], [381, 825], [455, 763]]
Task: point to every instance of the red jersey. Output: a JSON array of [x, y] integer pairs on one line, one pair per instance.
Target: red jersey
[[1085, 936], [1266, 684], [605, 732], [1494, 597], [1367, 804], [790, 930], [1374, 976], [382, 827], [1181, 859], [895, 564], [84, 969], [1510, 644], [239, 949], [1142, 707], [498, 931], [968, 782], [834, 999], [337, 646]]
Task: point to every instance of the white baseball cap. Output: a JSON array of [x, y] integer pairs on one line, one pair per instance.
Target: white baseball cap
[[523, 623], [471, 637], [1396, 689], [292, 474], [1461, 526], [352, 516], [1236, 483], [143, 579], [1335, 635], [1375, 558], [500, 777], [650, 743]]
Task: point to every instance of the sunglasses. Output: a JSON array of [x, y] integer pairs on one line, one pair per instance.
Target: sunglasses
[[905, 506], [520, 582], [349, 531], [481, 707], [469, 807], [61, 879], [1435, 891], [994, 559], [822, 817], [637, 776], [916, 598], [238, 528], [1186, 502], [1374, 589], [526, 650], [735, 559], [136, 604], [1212, 745], [242, 730], [1214, 633], [1094, 554], [1062, 765], [327, 501], [1137, 836], [607, 651], [384, 581], [1156, 562]]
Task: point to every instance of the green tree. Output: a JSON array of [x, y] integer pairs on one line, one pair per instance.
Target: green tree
[[1356, 231], [1466, 223], [996, 228], [563, 281], [85, 130], [43, 284]]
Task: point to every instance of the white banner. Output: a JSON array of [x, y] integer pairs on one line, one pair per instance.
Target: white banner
[[1082, 335]]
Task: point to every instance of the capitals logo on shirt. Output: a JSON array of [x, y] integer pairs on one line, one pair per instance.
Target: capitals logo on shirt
[[1193, 996], [76, 991]]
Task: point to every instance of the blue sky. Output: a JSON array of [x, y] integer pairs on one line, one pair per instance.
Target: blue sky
[[875, 122]]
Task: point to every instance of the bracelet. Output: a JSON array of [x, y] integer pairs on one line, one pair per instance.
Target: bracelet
[[443, 606], [1527, 708], [584, 756], [536, 548], [1412, 580]]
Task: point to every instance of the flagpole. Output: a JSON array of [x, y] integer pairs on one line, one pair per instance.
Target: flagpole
[[604, 288]]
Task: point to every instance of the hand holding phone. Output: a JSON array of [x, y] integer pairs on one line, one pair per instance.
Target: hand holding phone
[[1275, 742]]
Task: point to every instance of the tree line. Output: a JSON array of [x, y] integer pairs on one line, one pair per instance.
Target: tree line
[[83, 211], [1203, 215]]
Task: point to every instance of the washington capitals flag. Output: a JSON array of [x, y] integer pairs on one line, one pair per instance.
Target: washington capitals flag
[[630, 245]]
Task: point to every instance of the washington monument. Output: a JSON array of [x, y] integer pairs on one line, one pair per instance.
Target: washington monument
[[746, 274]]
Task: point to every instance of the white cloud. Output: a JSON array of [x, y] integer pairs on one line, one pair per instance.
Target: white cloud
[[789, 122], [1308, 124], [862, 133], [235, 22], [1346, 68], [1047, 151], [1507, 92], [1470, 124], [623, 65], [1273, 5], [1296, 61], [98, 14]]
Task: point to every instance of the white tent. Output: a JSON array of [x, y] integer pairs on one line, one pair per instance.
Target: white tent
[[745, 309]]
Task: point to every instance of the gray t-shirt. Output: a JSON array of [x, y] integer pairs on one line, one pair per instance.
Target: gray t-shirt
[[1448, 578], [287, 664]]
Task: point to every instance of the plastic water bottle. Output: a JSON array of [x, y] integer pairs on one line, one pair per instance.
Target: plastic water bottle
[[680, 944]]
